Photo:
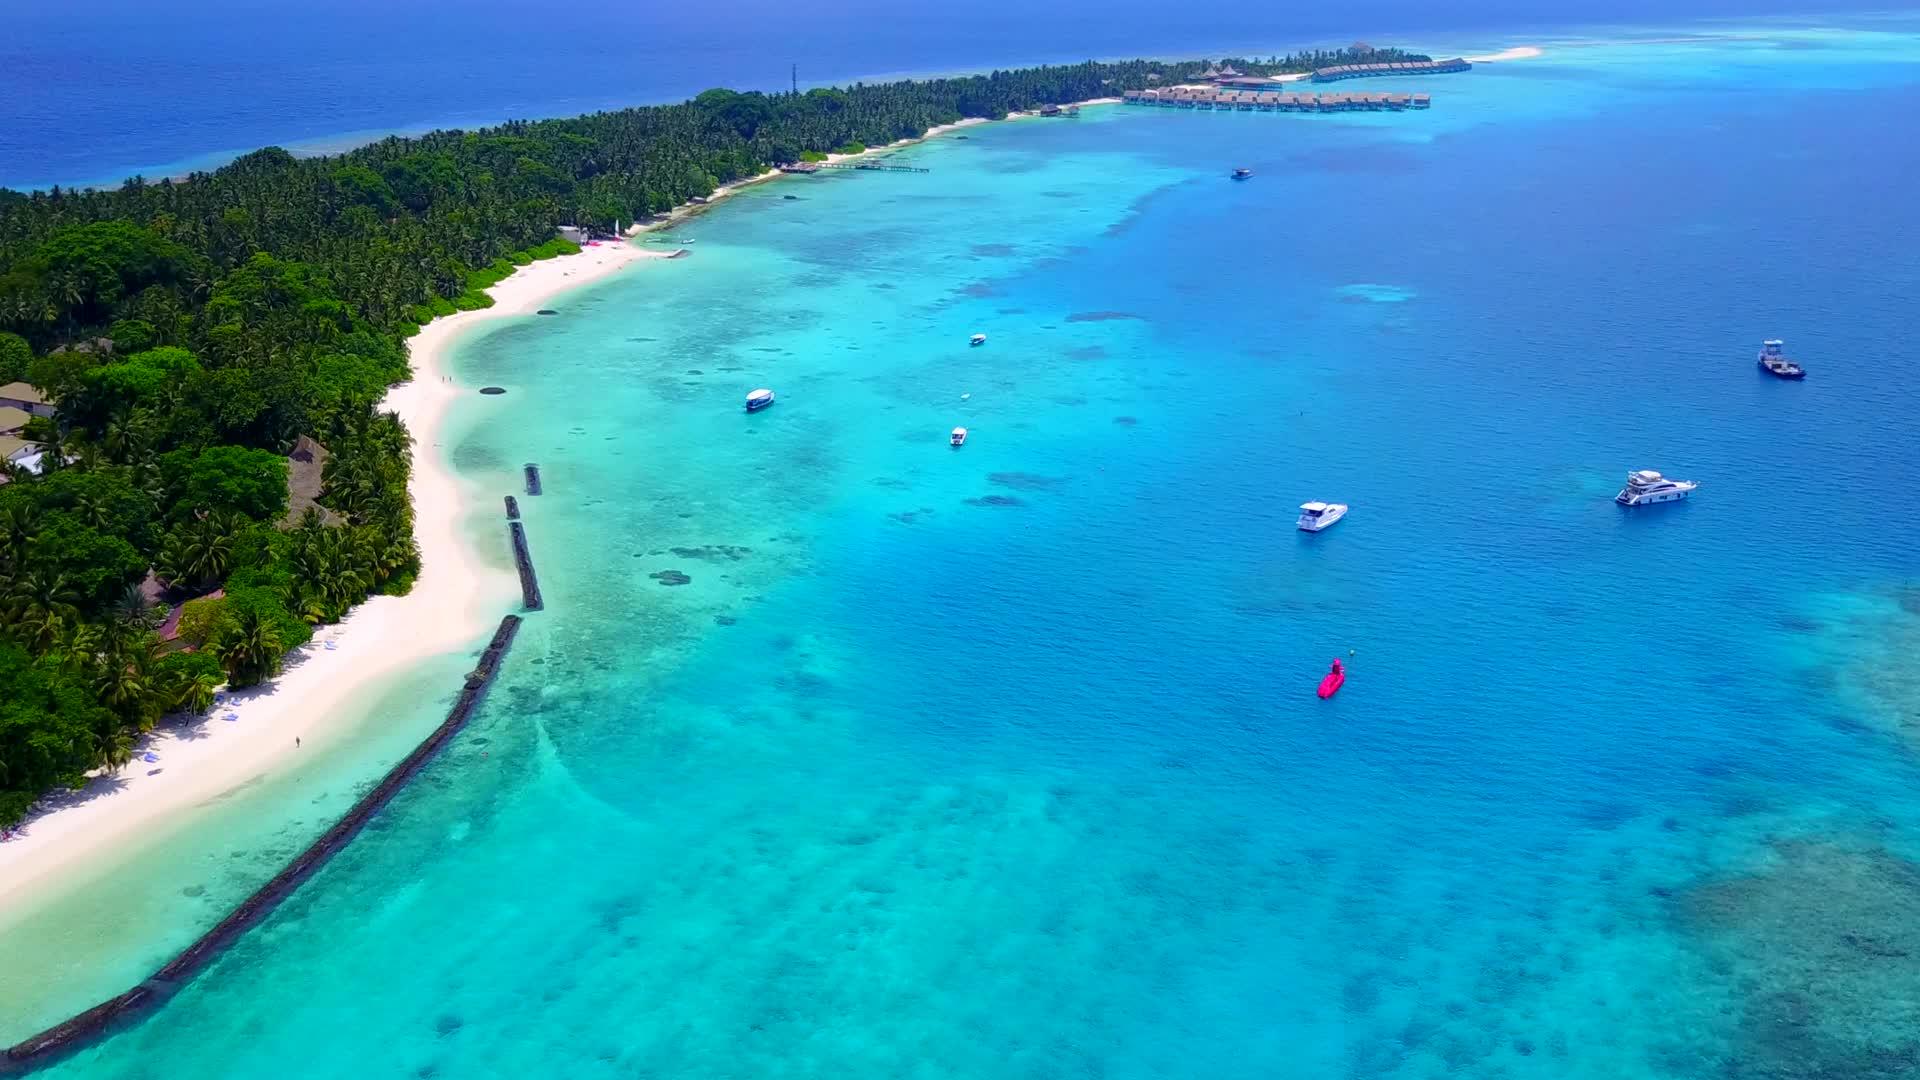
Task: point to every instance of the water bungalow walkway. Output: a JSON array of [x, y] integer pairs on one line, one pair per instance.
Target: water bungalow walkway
[[1405, 67], [1275, 101]]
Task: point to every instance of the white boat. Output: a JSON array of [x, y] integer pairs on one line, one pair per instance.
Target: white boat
[[1315, 516], [959, 436], [977, 339], [1645, 487], [759, 399]]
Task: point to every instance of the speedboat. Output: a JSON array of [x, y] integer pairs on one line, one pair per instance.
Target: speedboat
[[1315, 516], [1336, 678], [1645, 487], [1773, 361], [977, 339], [759, 399], [1242, 174], [959, 436]]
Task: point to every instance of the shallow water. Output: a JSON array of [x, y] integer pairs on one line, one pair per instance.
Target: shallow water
[[1005, 760]]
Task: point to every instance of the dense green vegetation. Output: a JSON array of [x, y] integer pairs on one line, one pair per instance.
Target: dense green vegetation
[[191, 331]]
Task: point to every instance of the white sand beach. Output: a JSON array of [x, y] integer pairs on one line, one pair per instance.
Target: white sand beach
[[1518, 52], [454, 605]]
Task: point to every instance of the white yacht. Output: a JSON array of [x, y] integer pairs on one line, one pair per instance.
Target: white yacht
[[977, 339], [759, 399], [1315, 516], [1645, 487], [959, 436]]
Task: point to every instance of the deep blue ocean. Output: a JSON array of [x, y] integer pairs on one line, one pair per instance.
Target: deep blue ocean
[[1005, 761], [92, 91]]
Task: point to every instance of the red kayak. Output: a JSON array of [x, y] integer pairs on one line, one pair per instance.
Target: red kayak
[[1336, 678]]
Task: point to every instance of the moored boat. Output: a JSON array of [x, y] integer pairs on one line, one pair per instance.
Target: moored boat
[[1646, 487], [959, 436], [1315, 516], [759, 399], [977, 339], [1773, 361], [1242, 174]]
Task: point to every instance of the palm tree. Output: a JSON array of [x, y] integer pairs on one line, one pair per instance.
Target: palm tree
[[310, 605], [133, 608], [39, 604], [251, 650], [94, 510], [80, 646], [19, 524], [130, 685], [113, 744], [197, 553], [195, 694]]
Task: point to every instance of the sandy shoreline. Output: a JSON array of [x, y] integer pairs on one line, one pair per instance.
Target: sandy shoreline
[[1518, 52], [452, 607]]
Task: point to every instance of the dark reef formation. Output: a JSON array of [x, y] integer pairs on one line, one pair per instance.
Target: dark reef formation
[[1822, 947]]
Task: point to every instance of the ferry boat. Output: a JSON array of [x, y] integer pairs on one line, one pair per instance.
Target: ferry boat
[[1315, 516], [959, 436], [1242, 174], [1645, 487], [977, 339], [759, 399], [1773, 361]]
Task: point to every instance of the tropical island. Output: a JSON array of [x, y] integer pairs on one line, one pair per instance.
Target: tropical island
[[203, 472]]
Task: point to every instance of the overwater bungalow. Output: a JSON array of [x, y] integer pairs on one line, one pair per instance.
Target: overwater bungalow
[[1261, 101], [1417, 67]]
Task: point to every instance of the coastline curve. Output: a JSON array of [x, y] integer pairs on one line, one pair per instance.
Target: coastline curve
[[110, 1015]]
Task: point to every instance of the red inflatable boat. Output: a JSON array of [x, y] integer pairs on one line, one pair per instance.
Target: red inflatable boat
[[1336, 678]]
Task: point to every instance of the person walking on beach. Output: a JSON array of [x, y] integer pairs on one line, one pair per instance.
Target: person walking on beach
[[296, 742]]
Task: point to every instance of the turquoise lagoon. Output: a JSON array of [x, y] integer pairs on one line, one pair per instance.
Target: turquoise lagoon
[[1005, 761]]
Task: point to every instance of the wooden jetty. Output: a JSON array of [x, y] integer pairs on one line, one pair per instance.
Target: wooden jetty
[[115, 1012], [1404, 67], [1276, 101]]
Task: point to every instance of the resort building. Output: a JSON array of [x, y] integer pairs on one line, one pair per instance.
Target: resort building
[[19, 395], [19, 453]]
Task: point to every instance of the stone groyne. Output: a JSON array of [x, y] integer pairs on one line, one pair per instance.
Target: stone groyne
[[113, 1013], [523, 562]]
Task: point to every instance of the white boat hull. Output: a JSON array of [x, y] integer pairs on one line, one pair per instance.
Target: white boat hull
[[1320, 522], [1628, 499]]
